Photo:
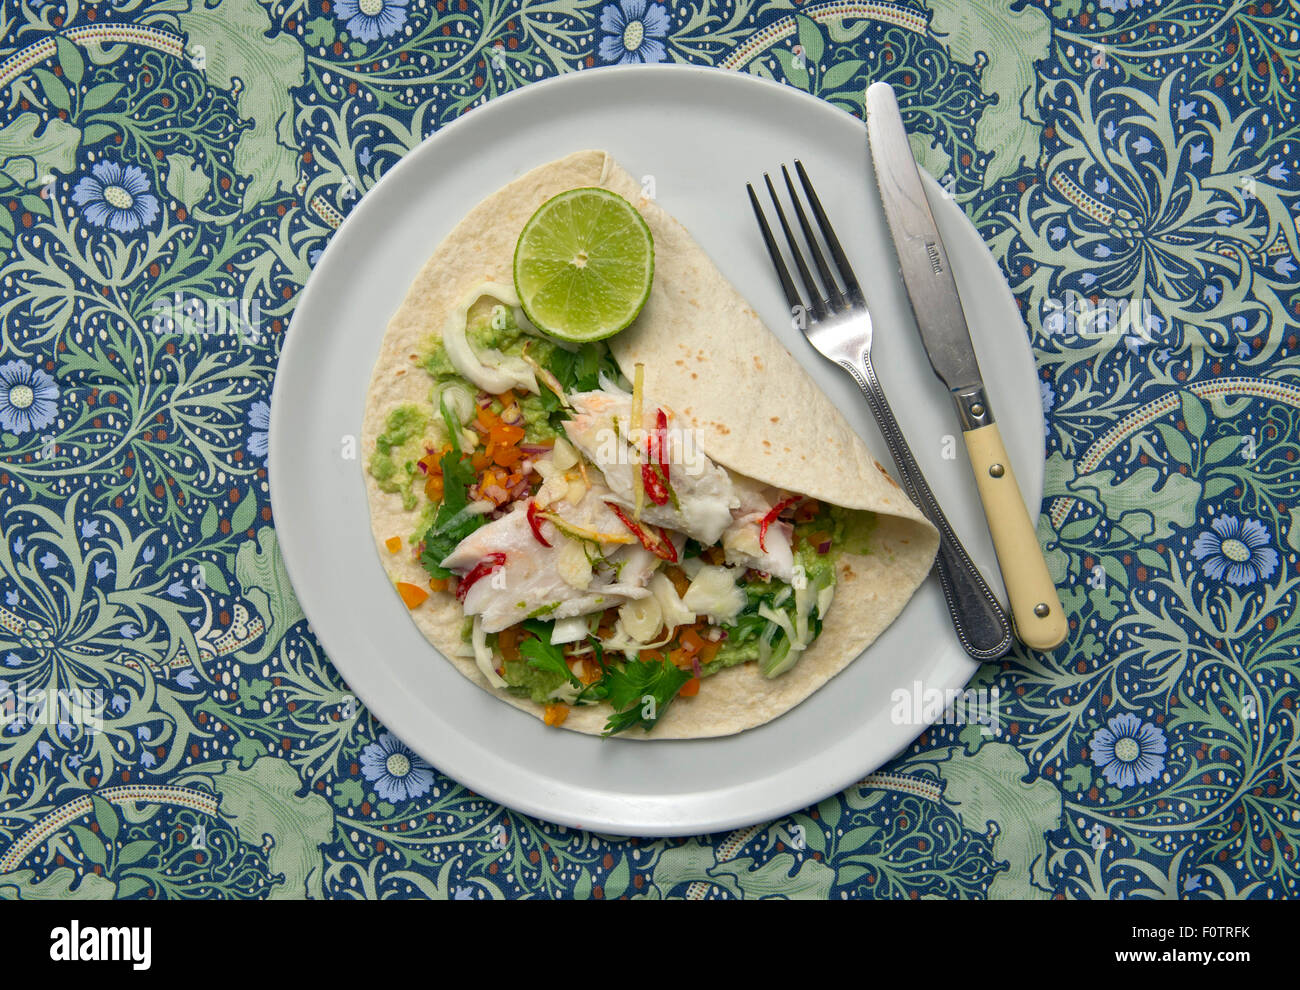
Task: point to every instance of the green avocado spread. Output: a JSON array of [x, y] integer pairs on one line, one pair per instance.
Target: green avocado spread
[[397, 449]]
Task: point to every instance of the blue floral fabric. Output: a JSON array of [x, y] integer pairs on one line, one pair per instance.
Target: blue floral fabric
[[169, 172]]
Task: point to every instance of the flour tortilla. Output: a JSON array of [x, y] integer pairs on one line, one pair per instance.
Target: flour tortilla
[[709, 358]]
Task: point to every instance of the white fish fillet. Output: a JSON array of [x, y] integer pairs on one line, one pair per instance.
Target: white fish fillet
[[704, 491], [532, 581]]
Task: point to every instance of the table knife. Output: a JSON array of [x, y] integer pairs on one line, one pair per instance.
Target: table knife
[[1036, 609]]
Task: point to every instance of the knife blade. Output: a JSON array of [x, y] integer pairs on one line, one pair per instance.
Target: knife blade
[[927, 276]]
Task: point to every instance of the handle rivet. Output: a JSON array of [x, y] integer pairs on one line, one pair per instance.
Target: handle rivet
[[996, 470], [977, 409], [1041, 610]]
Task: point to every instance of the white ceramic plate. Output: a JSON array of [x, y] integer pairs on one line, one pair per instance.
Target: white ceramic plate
[[701, 134]]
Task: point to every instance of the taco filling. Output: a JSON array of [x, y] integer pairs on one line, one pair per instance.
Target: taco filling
[[598, 554]]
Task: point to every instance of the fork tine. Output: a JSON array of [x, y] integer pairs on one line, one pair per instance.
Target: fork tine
[[774, 252], [814, 291], [853, 290], [836, 298]]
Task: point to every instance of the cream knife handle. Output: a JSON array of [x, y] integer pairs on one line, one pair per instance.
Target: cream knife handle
[[1035, 608]]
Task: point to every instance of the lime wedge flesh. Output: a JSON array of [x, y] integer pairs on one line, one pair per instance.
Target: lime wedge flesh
[[584, 264]]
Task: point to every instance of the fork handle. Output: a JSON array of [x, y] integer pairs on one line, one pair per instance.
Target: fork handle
[[982, 624]]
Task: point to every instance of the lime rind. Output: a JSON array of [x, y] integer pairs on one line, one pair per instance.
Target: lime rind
[[604, 295]]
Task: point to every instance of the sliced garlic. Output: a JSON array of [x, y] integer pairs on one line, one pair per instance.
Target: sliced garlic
[[563, 454], [642, 618]]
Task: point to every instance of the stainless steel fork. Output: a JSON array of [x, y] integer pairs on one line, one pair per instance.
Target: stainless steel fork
[[839, 327]]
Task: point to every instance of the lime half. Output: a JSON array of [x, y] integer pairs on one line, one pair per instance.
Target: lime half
[[584, 264]]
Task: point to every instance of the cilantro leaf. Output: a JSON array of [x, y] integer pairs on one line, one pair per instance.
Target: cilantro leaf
[[540, 653], [641, 693], [452, 524], [579, 371]]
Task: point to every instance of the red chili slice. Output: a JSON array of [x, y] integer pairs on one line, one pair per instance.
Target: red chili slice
[[535, 524], [663, 549], [770, 518], [481, 570], [656, 489]]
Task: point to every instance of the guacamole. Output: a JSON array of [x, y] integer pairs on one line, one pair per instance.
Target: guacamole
[[398, 449]]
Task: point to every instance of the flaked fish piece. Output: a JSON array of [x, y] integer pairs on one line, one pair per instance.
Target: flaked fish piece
[[702, 494], [570, 577], [746, 545]]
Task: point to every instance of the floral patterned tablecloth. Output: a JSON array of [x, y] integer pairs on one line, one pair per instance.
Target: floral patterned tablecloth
[[169, 172]]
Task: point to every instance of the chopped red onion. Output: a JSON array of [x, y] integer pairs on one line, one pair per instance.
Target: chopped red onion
[[824, 547], [695, 665]]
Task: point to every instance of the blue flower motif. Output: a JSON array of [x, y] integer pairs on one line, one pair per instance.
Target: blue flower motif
[[117, 197], [29, 399], [1236, 551], [634, 30], [259, 422], [1049, 396], [397, 773], [1119, 6], [370, 20], [1128, 750]]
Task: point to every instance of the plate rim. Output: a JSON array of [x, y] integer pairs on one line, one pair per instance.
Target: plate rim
[[390, 703]]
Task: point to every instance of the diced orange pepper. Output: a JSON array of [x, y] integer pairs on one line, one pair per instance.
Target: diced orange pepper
[[507, 457], [691, 688], [652, 656], [480, 459], [508, 642], [691, 641], [710, 651], [433, 488], [394, 543], [438, 584], [590, 672], [412, 594], [680, 658], [679, 579], [556, 714]]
